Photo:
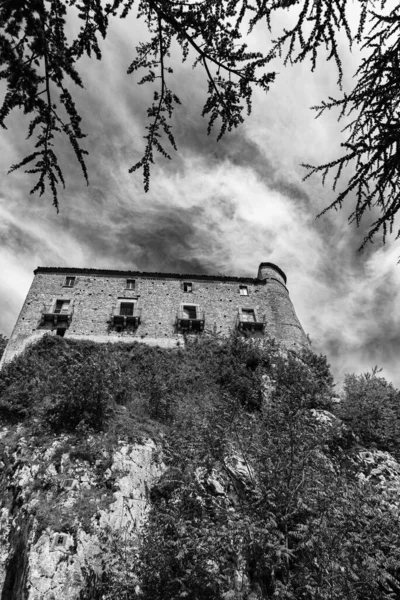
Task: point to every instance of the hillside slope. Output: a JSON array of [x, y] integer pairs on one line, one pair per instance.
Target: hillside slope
[[222, 470]]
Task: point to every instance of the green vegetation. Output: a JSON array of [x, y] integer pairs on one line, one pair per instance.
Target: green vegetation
[[259, 500], [66, 384], [3, 344], [371, 408]]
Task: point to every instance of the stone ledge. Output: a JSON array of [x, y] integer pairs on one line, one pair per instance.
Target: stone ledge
[[144, 274]]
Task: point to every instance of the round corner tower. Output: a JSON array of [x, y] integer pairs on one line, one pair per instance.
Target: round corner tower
[[284, 325]]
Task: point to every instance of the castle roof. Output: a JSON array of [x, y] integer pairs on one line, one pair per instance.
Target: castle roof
[[132, 274]]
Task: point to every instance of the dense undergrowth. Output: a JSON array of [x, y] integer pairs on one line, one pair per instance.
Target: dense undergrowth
[[298, 524], [67, 384]]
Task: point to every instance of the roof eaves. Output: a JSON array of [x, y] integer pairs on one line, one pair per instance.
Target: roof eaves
[[120, 273]]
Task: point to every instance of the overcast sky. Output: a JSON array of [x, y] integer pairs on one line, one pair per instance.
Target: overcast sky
[[215, 208]]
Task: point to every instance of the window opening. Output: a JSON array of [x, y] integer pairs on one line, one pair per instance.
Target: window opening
[[243, 289], [189, 312], [61, 331], [190, 317], [62, 306], [248, 315], [59, 540], [130, 284], [70, 281], [126, 313], [126, 309], [187, 286]]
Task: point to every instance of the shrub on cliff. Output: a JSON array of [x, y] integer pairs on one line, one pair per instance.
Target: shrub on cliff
[[59, 384], [371, 408], [3, 344], [63, 383], [84, 395]]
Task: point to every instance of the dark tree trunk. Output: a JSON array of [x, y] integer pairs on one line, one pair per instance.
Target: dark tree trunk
[[17, 565]]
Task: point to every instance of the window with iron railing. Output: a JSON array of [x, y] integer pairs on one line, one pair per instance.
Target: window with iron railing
[[126, 309], [248, 315], [190, 317], [58, 311], [248, 319], [126, 313]]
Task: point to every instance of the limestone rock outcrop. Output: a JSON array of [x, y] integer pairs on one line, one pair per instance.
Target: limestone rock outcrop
[[61, 499], [59, 503]]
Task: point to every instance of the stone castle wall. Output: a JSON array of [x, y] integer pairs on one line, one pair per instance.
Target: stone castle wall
[[95, 294]]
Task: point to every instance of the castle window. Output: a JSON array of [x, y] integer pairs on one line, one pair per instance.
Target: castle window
[[248, 315], [69, 281], [189, 311], [61, 307], [126, 313], [250, 321], [61, 331], [190, 317], [187, 287], [130, 284], [243, 289], [59, 311], [126, 309]]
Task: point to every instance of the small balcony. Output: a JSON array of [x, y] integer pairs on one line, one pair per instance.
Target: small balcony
[[248, 320], [57, 313], [190, 318], [126, 316]]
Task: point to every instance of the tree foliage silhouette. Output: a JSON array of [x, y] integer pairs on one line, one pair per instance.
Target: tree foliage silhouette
[[3, 344], [37, 59]]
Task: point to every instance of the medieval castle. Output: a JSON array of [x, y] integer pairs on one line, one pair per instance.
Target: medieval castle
[[154, 308]]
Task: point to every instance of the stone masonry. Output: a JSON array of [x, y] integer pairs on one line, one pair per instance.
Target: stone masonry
[[154, 308]]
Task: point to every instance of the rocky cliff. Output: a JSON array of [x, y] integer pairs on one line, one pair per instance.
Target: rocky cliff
[[62, 500], [217, 471]]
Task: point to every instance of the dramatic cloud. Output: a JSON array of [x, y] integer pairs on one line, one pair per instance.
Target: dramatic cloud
[[216, 208]]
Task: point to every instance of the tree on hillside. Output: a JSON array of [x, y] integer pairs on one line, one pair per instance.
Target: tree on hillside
[[39, 60], [3, 344], [371, 408]]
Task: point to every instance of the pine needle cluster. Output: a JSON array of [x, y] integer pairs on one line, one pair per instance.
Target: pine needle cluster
[[39, 62]]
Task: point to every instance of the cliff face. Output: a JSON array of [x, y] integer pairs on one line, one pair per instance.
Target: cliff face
[[62, 499], [63, 509]]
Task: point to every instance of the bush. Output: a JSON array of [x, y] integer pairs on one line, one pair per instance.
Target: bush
[[61, 384], [68, 383], [371, 408], [84, 397], [3, 344]]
